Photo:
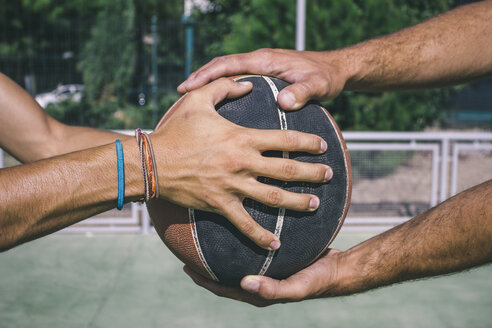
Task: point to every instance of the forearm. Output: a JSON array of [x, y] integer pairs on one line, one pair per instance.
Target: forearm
[[30, 134], [48, 195], [448, 49], [452, 236], [74, 138]]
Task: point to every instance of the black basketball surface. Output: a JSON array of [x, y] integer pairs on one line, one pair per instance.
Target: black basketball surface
[[227, 255]]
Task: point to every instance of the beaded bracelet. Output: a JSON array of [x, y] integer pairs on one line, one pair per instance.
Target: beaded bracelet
[[149, 167]]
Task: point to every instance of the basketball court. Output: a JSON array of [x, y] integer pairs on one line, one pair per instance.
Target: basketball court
[[134, 281], [113, 270]]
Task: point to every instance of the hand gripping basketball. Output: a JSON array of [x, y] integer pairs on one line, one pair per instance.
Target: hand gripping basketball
[[314, 75], [209, 163], [238, 174]]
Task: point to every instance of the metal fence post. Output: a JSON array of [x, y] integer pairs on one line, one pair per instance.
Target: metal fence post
[[435, 177], [301, 25], [154, 71], [145, 220], [443, 188]]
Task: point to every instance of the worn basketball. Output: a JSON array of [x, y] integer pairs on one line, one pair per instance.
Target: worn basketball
[[213, 247]]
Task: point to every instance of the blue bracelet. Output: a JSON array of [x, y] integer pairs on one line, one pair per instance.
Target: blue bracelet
[[121, 174]]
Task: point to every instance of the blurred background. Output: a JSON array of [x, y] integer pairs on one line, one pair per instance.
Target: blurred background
[[115, 64]]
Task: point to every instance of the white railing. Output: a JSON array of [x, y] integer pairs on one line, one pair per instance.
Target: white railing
[[443, 147]]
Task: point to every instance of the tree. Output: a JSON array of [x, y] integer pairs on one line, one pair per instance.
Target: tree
[[108, 57]]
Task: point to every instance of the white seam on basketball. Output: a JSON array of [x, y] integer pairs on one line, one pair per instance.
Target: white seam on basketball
[[191, 215], [285, 154]]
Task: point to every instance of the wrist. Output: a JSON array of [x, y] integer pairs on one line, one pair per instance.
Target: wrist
[[357, 271], [348, 280], [354, 63]]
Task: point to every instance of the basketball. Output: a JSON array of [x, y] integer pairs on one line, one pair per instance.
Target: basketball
[[213, 247]]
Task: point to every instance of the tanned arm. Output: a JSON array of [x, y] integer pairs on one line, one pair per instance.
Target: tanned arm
[[451, 48], [28, 133], [48, 195], [453, 236], [450, 237]]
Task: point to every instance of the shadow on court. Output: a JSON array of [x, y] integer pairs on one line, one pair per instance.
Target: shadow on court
[[134, 281]]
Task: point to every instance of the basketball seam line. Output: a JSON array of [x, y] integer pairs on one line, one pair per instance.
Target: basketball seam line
[[285, 154], [191, 215]]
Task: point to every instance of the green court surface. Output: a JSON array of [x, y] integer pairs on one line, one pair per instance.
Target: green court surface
[[134, 281]]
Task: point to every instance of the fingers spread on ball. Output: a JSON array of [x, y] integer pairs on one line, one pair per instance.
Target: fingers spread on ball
[[292, 170], [223, 88], [250, 228], [221, 66], [289, 140], [277, 197]]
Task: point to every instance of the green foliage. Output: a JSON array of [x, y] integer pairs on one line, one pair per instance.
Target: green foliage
[[108, 57], [107, 115], [106, 37], [389, 111]]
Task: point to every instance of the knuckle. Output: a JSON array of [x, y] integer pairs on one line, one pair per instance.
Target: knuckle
[[248, 227], [200, 74], [273, 197], [263, 51], [213, 203], [323, 82], [291, 139], [289, 170], [221, 59], [271, 291], [304, 88], [263, 238], [242, 139], [266, 57], [233, 163]]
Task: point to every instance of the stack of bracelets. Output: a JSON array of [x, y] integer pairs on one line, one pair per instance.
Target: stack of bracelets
[[149, 168]]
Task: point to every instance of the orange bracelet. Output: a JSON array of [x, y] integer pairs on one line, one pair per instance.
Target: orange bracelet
[[149, 167]]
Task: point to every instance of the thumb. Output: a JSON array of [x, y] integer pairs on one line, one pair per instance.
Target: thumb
[[296, 95], [272, 289]]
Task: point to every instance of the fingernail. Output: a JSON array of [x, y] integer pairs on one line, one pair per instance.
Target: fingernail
[[251, 285], [324, 145], [182, 84], [245, 83], [328, 174], [275, 244], [314, 203], [289, 99]]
